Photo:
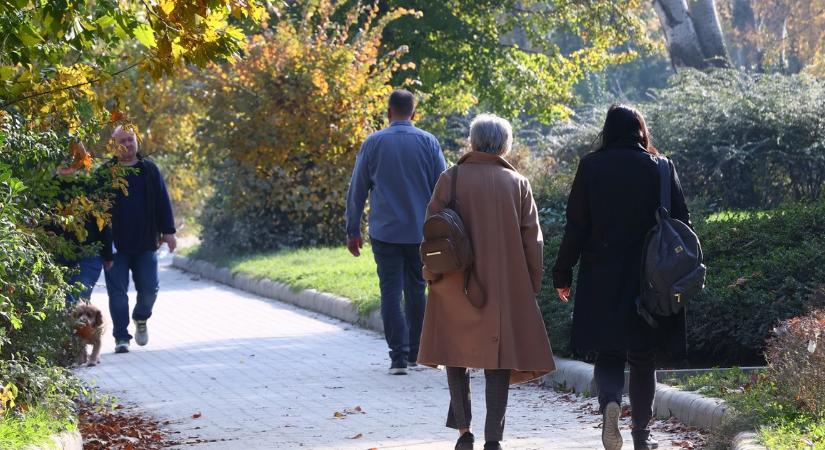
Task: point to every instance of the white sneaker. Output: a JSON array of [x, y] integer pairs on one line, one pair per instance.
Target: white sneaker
[[122, 347], [141, 333], [611, 436]]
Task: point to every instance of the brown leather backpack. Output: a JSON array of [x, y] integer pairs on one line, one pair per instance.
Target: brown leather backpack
[[446, 247]]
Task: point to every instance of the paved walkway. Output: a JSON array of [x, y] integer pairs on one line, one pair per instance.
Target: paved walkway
[[230, 370]]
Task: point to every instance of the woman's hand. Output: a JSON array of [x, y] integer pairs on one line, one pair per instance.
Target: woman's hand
[[564, 294]]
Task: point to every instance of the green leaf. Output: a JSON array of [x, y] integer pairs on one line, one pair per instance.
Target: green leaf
[[145, 35], [29, 36], [105, 21], [6, 72]]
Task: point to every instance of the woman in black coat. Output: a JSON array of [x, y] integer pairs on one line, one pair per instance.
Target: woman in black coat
[[611, 208]]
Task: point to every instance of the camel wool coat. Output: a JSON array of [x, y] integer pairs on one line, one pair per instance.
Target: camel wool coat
[[496, 205]]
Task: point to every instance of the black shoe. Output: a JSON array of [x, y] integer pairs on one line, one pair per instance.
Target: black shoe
[[465, 442], [643, 441], [492, 445], [398, 368]]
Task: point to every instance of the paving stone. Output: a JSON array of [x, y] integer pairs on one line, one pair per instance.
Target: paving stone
[[264, 374]]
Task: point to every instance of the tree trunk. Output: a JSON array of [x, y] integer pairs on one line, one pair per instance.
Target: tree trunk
[[680, 34], [744, 22], [705, 20]]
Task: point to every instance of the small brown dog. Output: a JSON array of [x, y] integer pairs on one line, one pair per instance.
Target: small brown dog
[[88, 330]]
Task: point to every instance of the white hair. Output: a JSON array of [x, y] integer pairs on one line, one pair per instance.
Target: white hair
[[490, 133]]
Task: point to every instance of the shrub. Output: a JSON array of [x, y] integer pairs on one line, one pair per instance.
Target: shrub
[[743, 140], [763, 267], [738, 140], [41, 222], [40, 385], [286, 124], [550, 192], [796, 361], [31, 283]]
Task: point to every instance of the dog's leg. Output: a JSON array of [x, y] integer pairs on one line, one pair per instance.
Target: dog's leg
[[79, 349], [82, 357], [95, 358]]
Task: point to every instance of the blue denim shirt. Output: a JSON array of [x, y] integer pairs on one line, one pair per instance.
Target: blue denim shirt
[[397, 168]]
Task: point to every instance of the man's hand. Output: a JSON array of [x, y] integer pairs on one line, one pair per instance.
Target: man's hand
[[564, 294], [170, 240], [108, 264], [354, 245]]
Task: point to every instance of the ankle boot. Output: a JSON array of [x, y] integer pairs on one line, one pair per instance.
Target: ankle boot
[[643, 441], [465, 442]]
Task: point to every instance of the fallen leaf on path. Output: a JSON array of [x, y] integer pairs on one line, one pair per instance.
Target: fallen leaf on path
[[357, 436], [197, 415]]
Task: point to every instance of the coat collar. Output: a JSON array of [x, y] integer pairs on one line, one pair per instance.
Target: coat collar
[[474, 157]]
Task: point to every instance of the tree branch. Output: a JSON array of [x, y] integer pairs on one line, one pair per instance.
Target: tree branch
[[65, 88]]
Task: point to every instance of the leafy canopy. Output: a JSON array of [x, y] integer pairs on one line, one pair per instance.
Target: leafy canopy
[[52, 52], [517, 57]]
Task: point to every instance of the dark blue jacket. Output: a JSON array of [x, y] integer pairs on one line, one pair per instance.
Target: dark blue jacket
[[140, 216]]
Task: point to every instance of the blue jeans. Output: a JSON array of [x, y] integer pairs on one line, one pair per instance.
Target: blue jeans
[[88, 272], [399, 272], [144, 267]]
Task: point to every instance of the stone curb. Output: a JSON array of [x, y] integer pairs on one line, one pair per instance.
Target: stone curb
[[689, 408], [67, 440], [746, 441], [328, 304]]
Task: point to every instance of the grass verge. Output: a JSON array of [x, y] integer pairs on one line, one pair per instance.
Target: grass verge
[[755, 406], [331, 270], [33, 428]]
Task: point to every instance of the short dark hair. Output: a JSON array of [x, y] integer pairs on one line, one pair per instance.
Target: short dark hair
[[402, 102]]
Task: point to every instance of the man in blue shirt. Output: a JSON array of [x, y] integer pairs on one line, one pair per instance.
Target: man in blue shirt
[[141, 220], [397, 168]]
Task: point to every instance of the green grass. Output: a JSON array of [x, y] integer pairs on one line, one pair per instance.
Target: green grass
[[756, 406], [35, 428], [331, 270], [737, 216], [720, 384]]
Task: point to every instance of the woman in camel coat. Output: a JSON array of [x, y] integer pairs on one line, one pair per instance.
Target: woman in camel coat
[[497, 326]]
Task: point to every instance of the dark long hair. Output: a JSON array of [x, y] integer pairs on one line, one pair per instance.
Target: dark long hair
[[625, 126]]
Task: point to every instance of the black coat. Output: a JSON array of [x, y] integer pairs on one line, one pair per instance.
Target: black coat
[[611, 208]]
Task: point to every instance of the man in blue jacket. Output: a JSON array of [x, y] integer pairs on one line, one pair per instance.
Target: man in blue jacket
[[397, 168], [141, 220]]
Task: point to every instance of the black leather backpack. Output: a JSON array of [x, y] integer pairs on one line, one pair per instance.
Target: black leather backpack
[[672, 269]]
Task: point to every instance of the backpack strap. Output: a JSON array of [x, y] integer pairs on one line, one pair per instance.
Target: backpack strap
[[451, 205], [664, 183]]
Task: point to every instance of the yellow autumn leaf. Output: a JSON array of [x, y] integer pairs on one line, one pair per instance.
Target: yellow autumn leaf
[[167, 6]]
